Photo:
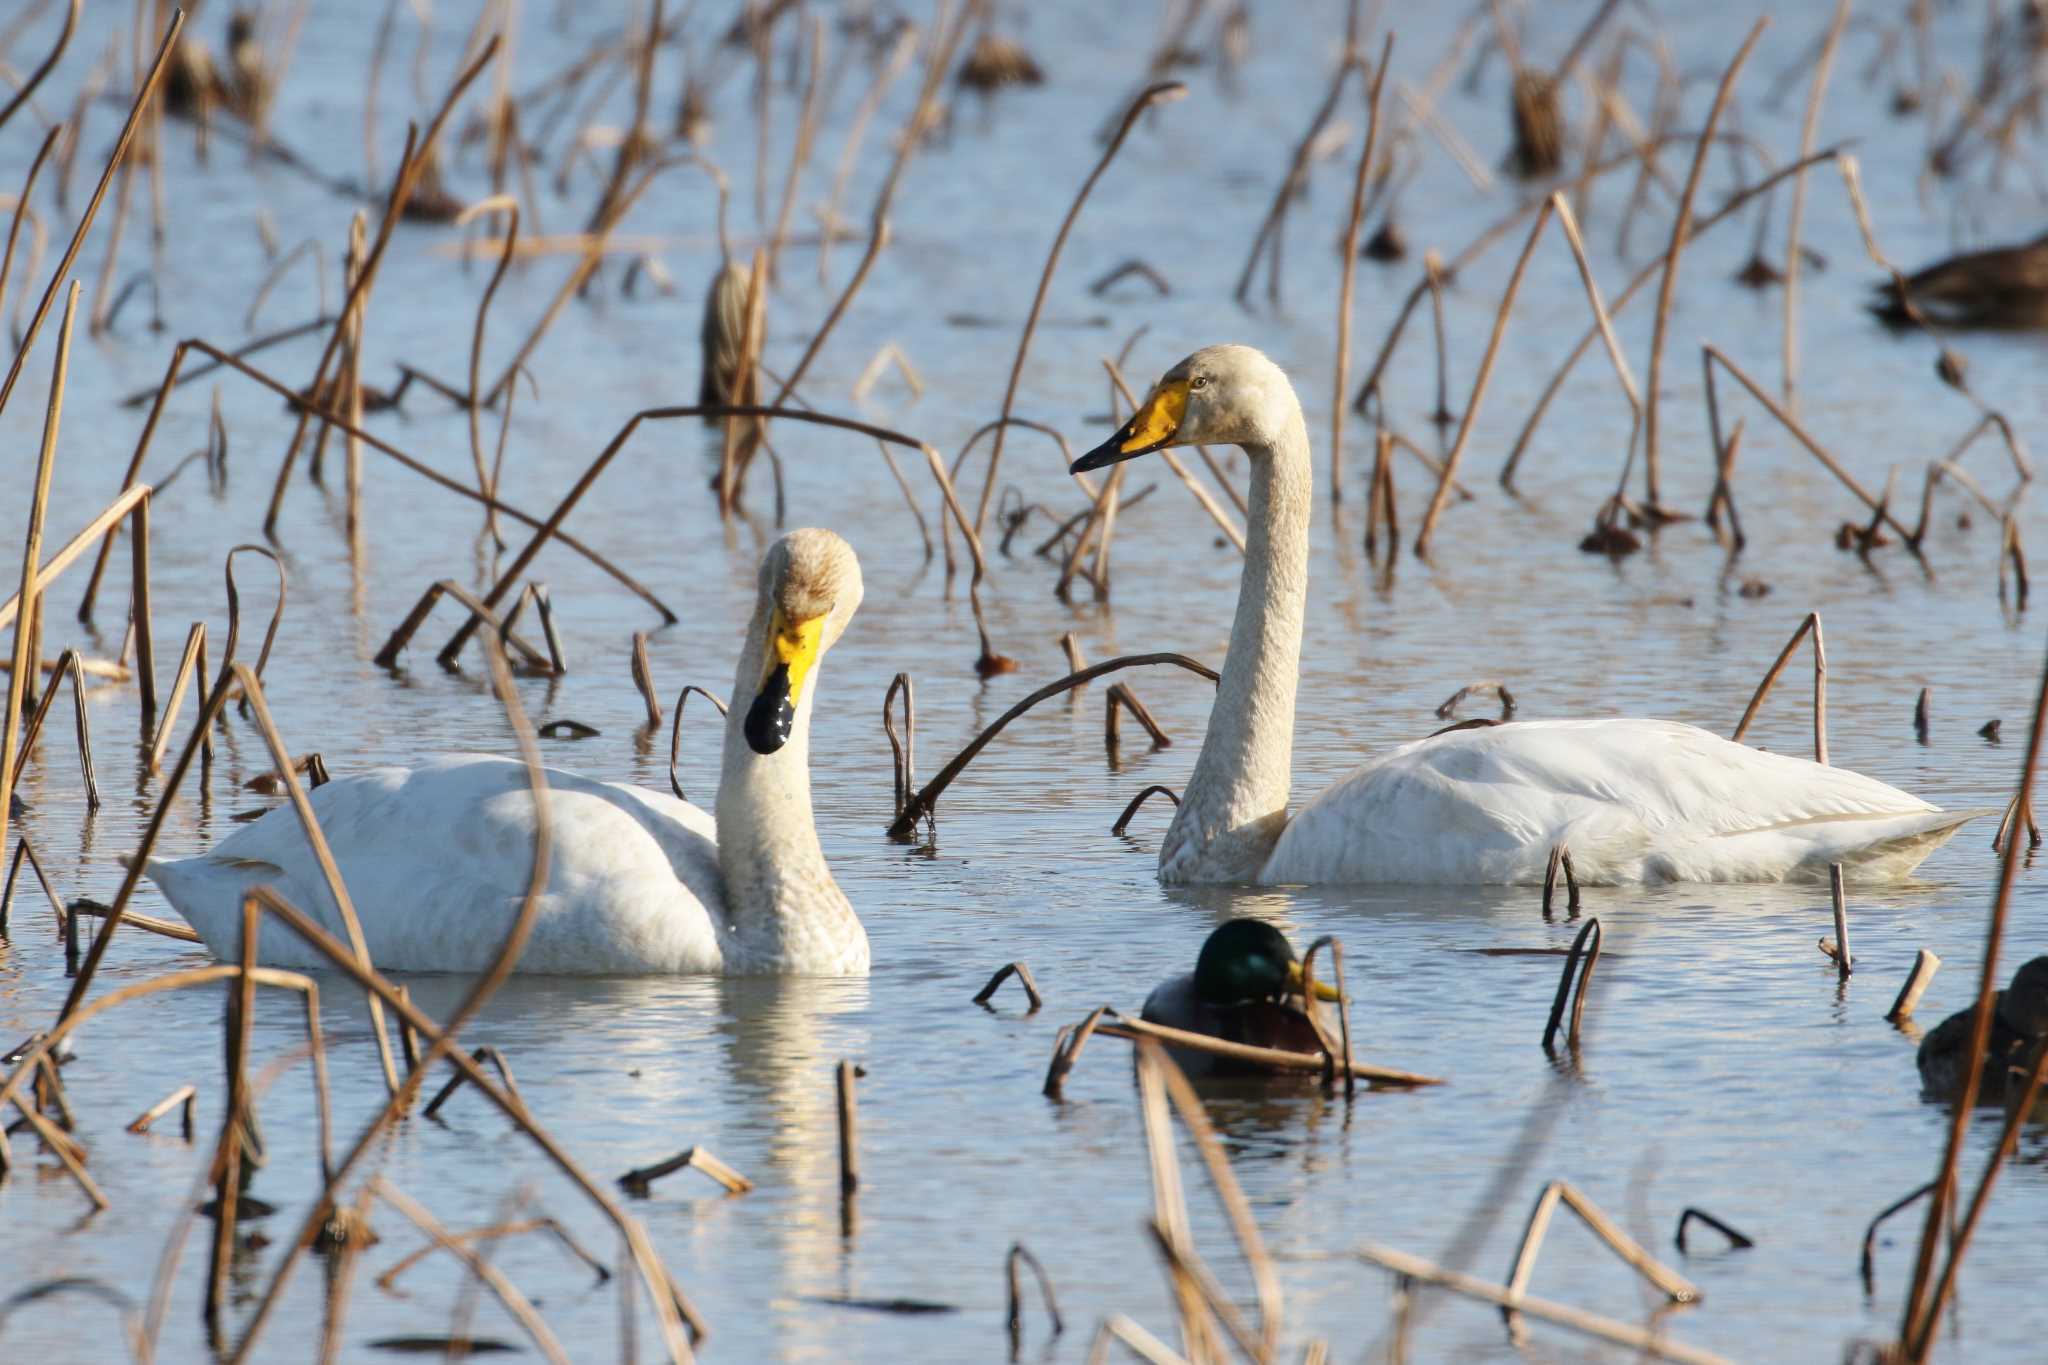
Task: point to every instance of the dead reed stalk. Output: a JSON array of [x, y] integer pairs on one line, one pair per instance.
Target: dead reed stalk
[[1123, 822], [1588, 944], [922, 804], [1681, 230], [640, 1180], [675, 733], [1479, 383], [1162, 93], [1687, 1217], [1024, 979], [1649, 1344], [1927, 1297], [1925, 965], [25, 658], [1668, 1282], [1808, 127], [1811, 625], [844, 1077]]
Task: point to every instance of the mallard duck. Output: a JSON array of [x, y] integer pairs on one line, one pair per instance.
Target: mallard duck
[[2019, 1024], [436, 858], [1635, 800], [2004, 286], [1240, 991]]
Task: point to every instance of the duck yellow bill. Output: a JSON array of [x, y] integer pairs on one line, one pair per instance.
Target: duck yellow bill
[[1324, 990], [1152, 427], [793, 650]]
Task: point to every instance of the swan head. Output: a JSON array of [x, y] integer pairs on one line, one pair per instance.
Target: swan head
[[809, 589], [1220, 395], [1247, 961]]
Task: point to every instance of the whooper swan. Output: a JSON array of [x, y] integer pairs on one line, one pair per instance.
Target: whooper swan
[[1635, 800], [436, 858]]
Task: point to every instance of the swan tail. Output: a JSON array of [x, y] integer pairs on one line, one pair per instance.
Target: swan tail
[[207, 894], [1893, 856]]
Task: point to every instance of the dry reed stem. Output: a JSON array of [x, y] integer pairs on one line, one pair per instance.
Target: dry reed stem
[[1123, 822], [49, 63], [551, 527], [1169, 1204], [1024, 979], [926, 798], [1577, 1319], [1120, 698], [1308, 999], [1843, 958], [1925, 965], [1164, 92], [507, 1294], [1916, 1332], [1681, 230], [307, 405], [479, 1055], [1278, 1059], [486, 483], [192, 663], [185, 1095], [1479, 383], [68, 665], [667, 1295], [1621, 301], [418, 156], [643, 680], [1290, 184], [1809, 126], [22, 210], [902, 748], [25, 650], [162, 928], [1673, 1286], [1348, 251], [1791, 424], [1592, 931], [246, 349], [844, 1076], [1142, 1344], [1223, 1180], [2019, 1110], [1066, 1050], [1686, 1217], [316, 839], [388, 1281], [24, 851], [1820, 686], [1015, 1316], [675, 733], [668, 1299], [387, 657], [639, 1180]]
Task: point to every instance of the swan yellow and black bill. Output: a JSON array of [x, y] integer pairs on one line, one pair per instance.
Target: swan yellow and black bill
[[1151, 428], [1324, 990], [793, 649]]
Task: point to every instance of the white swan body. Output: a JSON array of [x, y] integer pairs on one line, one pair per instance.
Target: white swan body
[[1633, 800], [437, 858], [1636, 800]]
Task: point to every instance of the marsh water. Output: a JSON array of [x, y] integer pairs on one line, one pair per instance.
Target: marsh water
[[1723, 1065]]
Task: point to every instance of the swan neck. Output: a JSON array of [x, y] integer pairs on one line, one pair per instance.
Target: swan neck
[[783, 910], [1236, 802]]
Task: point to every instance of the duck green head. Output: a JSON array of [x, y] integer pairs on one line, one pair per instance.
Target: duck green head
[[1247, 960]]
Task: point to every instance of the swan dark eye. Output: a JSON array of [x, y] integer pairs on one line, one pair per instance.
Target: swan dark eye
[[1199, 382]]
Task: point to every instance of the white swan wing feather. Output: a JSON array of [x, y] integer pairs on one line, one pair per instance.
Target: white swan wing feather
[[1634, 800], [436, 859]]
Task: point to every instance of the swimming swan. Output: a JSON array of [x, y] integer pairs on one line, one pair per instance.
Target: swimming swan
[[436, 858], [1636, 800]]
